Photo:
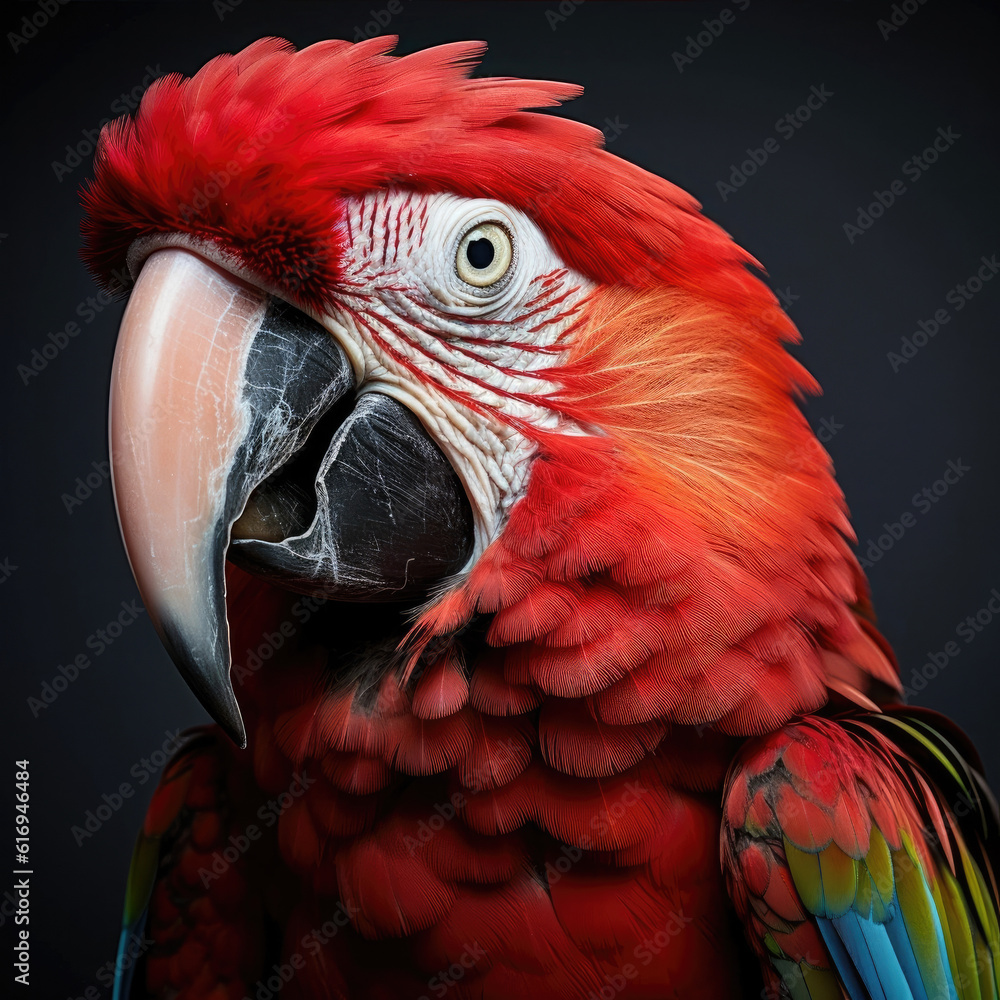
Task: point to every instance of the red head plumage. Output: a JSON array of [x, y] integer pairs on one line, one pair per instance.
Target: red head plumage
[[255, 149], [659, 545], [704, 518]]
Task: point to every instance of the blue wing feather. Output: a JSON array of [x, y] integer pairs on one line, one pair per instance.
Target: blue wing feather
[[900, 938], [871, 953], [908, 912], [842, 961]]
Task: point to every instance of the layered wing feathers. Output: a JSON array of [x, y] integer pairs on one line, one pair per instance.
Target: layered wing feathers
[[192, 924], [857, 853]]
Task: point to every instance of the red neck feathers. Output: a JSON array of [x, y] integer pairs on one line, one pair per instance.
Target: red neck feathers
[[692, 563], [689, 561]]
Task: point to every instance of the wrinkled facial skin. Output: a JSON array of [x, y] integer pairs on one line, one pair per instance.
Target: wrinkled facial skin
[[438, 344], [465, 360], [446, 328]]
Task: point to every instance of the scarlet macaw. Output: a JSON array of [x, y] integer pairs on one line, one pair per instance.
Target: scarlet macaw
[[460, 468]]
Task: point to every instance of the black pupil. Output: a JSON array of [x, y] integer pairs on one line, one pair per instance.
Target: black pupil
[[480, 253]]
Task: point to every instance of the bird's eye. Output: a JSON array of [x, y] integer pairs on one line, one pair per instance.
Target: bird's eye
[[485, 254]]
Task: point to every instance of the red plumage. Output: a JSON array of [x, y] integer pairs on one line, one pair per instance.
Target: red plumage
[[537, 805], [304, 128]]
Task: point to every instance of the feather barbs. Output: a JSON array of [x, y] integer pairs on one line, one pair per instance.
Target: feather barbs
[[690, 561], [257, 148]]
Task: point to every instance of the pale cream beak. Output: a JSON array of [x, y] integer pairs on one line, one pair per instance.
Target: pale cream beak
[[216, 388], [177, 421]]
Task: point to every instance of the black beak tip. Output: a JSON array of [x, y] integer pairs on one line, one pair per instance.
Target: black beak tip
[[205, 666], [232, 725], [219, 701]]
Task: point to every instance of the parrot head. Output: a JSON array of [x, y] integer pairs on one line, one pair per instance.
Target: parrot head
[[510, 403]]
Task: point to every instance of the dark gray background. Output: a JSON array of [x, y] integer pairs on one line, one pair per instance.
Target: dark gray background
[[895, 432]]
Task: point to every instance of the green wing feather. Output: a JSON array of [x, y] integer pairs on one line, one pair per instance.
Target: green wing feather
[[166, 813], [858, 852]]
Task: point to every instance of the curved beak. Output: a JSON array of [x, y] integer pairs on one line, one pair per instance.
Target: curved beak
[[178, 423], [215, 389]]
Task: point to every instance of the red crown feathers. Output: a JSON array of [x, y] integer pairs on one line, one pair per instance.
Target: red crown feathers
[[255, 150]]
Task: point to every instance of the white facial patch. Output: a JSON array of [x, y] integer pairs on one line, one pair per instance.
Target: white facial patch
[[462, 355]]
